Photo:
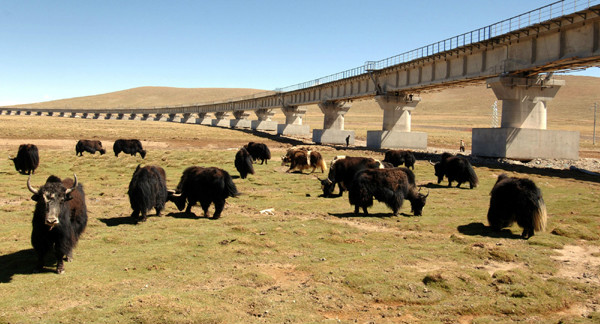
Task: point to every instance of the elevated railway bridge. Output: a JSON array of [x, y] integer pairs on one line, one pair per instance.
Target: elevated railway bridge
[[515, 58]]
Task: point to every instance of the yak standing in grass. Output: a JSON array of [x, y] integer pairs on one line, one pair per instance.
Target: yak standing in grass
[[91, 146], [59, 218], [129, 146], [259, 151], [204, 185], [517, 199], [390, 186], [399, 157], [243, 163], [27, 159], [342, 172], [456, 168], [303, 159], [147, 190]]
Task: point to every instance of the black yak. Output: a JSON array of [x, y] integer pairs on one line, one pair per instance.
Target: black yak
[[517, 199], [59, 218], [259, 151], [129, 146], [147, 190], [204, 185], [399, 157], [27, 159], [342, 172], [390, 186], [456, 168], [91, 146], [243, 163], [303, 159]]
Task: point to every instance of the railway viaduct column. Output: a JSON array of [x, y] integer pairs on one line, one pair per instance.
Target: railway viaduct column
[[241, 119], [204, 119], [522, 133], [333, 124], [221, 119], [264, 122], [293, 122], [396, 129]]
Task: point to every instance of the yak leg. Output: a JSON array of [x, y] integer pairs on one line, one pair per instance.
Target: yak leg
[[219, 205], [527, 233], [60, 264], [356, 209], [191, 202], [458, 184], [205, 205], [158, 210], [365, 210], [471, 185]]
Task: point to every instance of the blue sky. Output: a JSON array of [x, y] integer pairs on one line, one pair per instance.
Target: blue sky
[[63, 49]]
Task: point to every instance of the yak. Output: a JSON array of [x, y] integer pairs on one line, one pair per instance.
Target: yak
[[27, 159], [390, 186], [243, 163], [259, 151], [129, 146], [517, 199], [342, 172], [399, 157], [302, 159], [204, 185], [455, 168], [59, 219], [147, 190], [91, 146]]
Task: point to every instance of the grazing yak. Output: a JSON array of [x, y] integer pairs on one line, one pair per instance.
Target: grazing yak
[[390, 186], [342, 171], [129, 146], [147, 190], [455, 168], [204, 185], [302, 159], [59, 218], [517, 199], [91, 146], [258, 151], [399, 157], [27, 159], [243, 163]]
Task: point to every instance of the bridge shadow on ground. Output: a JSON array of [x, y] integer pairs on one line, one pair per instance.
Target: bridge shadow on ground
[[479, 229], [20, 262], [116, 221]]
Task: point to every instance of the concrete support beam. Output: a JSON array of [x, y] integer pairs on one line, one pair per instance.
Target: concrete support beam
[[175, 118], [161, 117], [241, 119], [221, 119], [293, 122], [333, 124], [264, 122], [396, 128], [522, 134], [188, 118], [204, 119]]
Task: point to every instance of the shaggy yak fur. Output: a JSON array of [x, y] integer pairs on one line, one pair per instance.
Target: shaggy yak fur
[[303, 159], [129, 146], [399, 157], [147, 190], [259, 151], [243, 163], [27, 159], [342, 172], [59, 218], [204, 185], [90, 146], [517, 199], [390, 186], [456, 168]]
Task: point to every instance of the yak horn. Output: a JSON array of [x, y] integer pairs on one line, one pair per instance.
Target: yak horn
[[431, 163], [427, 195], [35, 192], [74, 185]]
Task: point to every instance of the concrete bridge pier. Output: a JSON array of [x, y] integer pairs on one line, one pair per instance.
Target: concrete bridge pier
[[333, 124], [522, 133], [204, 119], [241, 120], [175, 118], [293, 122], [134, 116], [264, 122], [396, 131], [161, 117], [221, 119], [187, 118]]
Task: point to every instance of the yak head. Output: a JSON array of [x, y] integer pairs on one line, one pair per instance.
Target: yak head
[[177, 198], [418, 203], [102, 151], [327, 186], [52, 197], [143, 153]]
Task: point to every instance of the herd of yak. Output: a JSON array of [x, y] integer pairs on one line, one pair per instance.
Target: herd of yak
[[60, 214]]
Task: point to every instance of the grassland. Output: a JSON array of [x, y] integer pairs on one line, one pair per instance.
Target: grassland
[[312, 261]]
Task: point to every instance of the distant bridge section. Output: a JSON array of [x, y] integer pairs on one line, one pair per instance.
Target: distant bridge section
[[510, 56]]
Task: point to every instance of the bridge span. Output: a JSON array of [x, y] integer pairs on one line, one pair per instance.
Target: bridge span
[[515, 58]]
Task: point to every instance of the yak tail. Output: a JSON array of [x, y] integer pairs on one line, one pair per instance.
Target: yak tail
[[230, 188], [539, 216], [322, 165], [473, 179]]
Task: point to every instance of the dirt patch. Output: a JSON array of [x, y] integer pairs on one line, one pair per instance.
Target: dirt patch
[[579, 263]]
